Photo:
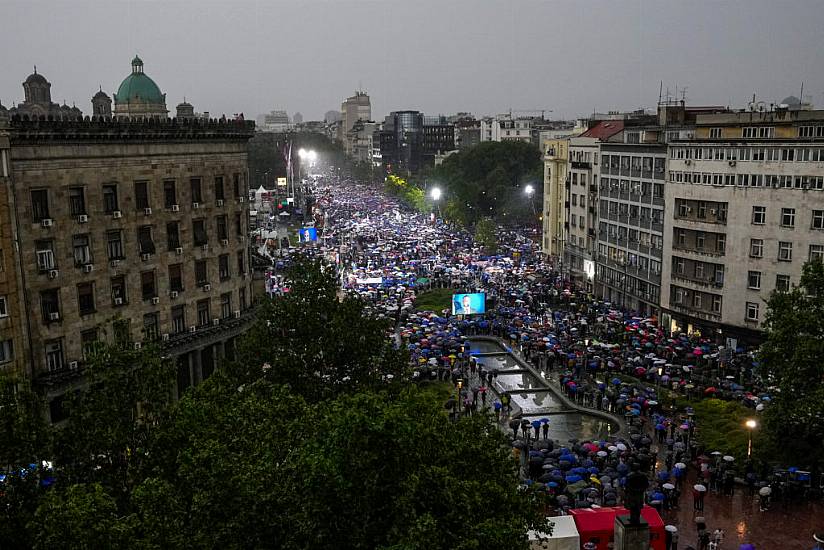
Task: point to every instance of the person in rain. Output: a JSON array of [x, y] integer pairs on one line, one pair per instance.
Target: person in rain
[[545, 429]]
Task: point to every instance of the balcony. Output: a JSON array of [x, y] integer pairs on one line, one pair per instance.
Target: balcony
[[705, 283], [702, 252], [578, 165]]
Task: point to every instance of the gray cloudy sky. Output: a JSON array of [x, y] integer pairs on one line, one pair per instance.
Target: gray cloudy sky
[[439, 56]]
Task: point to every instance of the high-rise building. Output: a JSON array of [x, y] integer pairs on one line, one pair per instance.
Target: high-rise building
[[129, 231], [744, 212], [353, 109]]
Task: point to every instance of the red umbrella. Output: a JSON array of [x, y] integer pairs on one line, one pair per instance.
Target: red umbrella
[[710, 390]]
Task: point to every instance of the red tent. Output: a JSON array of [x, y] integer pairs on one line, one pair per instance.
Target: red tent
[[598, 525]]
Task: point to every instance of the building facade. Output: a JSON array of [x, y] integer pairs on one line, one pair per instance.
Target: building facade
[[582, 212], [355, 108], [745, 211], [138, 96], [556, 166], [630, 242]]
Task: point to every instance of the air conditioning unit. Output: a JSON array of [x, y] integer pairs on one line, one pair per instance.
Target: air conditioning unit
[[688, 162], [47, 222], [237, 314], [73, 365], [195, 205], [137, 345], [54, 316], [241, 199], [118, 301], [88, 268], [215, 322], [175, 208], [82, 218], [156, 300], [220, 202], [147, 211], [114, 263], [207, 287], [689, 210], [224, 242], [165, 337], [205, 247], [173, 294], [732, 163], [117, 214], [53, 274], [145, 257], [179, 251], [713, 211], [192, 328]]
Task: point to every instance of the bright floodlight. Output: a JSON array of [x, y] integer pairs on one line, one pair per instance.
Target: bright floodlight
[[302, 152], [311, 155], [435, 193], [529, 190], [751, 424]]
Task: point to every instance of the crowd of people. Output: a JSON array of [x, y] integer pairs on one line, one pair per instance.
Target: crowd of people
[[599, 356]]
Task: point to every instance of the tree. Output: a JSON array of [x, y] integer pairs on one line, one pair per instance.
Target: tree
[[791, 359], [317, 342], [127, 394], [486, 235]]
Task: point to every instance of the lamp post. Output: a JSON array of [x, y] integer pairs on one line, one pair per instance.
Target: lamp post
[[436, 193], [751, 424]]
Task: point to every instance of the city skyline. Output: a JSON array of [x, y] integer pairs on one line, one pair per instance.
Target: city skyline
[[315, 53]]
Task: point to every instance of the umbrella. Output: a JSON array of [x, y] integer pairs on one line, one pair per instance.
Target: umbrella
[[668, 486], [728, 458], [700, 488], [621, 447], [765, 491], [671, 528], [601, 453], [680, 465], [716, 453]]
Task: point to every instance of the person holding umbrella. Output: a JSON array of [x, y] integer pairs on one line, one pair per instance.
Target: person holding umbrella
[[698, 493]]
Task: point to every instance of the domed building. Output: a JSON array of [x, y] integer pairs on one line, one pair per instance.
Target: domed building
[[138, 96], [38, 101], [102, 104]]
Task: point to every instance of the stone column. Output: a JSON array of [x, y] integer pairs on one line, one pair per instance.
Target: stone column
[[629, 536]]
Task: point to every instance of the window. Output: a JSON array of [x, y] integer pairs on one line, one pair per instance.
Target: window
[[85, 298], [222, 232], [122, 332], [752, 311], [201, 276], [77, 201], [785, 251], [715, 133], [756, 248], [144, 239], [176, 277], [118, 290], [169, 193], [226, 305], [573, 221], [197, 194], [88, 342], [696, 301], [45, 255], [679, 266], [818, 219], [114, 244], [4, 311], [223, 266], [702, 209], [54, 355], [782, 283], [721, 213], [178, 319], [241, 295], [241, 269], [574, 199], [203, 312], [199, 230], [720, 243], [110, 198], [716, 304], [236, 184], [172, 236], [147, 284], [719, 275], [6, 351], [788, 217], [816, 252], [700, 240], [699, 270], [219, 191], [238, 225], [50, 304], [141, 195], [40, 205], [150, 326], [759, 215], [754, 280], [82, 250]]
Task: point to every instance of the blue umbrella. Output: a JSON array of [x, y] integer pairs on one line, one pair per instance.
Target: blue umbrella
[[544, 421], [616, 381], [573, 478]]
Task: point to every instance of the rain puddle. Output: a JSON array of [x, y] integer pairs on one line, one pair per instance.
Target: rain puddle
[[563, 427], [485, 346], [501, 362], [519, 381], [537, 402]]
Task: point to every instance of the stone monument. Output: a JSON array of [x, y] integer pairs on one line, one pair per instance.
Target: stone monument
[[632, 531]]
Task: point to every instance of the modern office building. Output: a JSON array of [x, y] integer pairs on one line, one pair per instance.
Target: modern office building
[[744, 212], [125, 230], [355, 108]]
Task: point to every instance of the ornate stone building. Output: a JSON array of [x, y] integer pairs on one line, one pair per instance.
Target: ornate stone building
[[122, 230], [38, 102], [138, 96]]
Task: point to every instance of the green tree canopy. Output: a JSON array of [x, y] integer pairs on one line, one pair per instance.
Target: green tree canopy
[[791, 358]]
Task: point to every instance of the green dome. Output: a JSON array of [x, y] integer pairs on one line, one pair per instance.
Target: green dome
[[138, 88]]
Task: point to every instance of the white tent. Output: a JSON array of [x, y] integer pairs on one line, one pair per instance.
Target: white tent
[[564, 536]]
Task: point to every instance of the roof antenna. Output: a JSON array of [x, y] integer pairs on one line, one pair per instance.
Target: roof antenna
[[660, 90]]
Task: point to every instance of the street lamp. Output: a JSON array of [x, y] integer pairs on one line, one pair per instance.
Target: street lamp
[[435, 193], [529, 190], [751, 424]]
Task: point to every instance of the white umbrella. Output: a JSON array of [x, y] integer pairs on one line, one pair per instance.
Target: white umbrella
[[716, 453], [621, 447], [728, 458], [671, 528], [680, 465], [764, 491], [601, 453], [612, 448], [700, 488], [668, 486]]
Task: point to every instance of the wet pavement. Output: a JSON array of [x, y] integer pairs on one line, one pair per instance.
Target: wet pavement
[[782, 527]]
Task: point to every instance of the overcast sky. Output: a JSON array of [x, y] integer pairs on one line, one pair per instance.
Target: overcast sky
[[439, 56]]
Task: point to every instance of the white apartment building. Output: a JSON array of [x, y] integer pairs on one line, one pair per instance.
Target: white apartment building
[[582, 211], [745, 211], [556, 164]]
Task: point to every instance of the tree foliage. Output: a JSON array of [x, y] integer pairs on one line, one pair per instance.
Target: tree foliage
[[488, 180], [791, 359], [409, 193], [486, 235]]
